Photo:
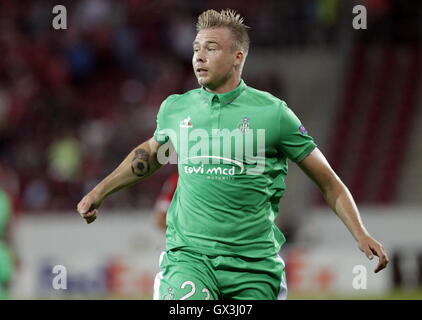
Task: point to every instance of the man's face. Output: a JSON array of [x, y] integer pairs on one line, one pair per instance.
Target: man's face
[[214, 59]]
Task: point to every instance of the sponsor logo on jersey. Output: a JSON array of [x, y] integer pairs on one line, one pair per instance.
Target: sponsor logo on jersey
[[186, 123], [224, 152], [231, 167]]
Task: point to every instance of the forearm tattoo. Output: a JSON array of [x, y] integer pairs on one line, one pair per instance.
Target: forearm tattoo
[[140, 165]]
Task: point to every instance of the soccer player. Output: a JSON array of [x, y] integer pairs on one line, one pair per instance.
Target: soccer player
[[6, 259], [233, 143]]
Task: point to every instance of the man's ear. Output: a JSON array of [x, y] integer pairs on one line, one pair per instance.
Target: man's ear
[[239, 58]]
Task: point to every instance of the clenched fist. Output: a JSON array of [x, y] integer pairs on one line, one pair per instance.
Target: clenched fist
[[88, 207]]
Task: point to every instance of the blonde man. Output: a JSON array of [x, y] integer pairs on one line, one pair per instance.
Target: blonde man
[[233, 143]]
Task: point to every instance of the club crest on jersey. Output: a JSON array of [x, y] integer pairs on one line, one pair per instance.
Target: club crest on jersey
[[244, 125], [186, 123]]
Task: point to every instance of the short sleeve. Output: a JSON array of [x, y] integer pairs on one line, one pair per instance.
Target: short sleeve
[[294, 142], [160, 133]]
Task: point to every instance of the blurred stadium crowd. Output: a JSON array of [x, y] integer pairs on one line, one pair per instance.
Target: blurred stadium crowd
[[74, 102]]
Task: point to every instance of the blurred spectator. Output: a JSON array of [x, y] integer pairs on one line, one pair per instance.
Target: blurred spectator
[[65, 157]]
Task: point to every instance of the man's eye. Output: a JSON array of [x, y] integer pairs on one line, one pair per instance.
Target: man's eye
[[211, 49]]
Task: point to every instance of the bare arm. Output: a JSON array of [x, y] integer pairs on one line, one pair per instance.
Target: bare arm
[[140, 163], [341, 202]]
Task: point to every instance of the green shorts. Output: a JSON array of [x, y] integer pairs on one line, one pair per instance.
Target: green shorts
[[187, 275]]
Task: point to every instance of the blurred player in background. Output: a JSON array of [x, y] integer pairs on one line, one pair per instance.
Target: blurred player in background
[[164, 200], [221, 239], [6, 260]]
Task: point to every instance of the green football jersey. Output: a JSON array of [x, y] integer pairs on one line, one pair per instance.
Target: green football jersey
[[232, 151]]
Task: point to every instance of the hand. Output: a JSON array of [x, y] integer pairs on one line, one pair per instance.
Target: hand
[[371, 247], [88, 207]]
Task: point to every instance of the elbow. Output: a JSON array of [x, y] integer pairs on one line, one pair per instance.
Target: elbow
[[333, 188]]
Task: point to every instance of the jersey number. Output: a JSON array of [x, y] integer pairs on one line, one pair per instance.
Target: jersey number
[[193, 290]]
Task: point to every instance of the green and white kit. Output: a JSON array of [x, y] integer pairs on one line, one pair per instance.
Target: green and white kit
[[232, 152]]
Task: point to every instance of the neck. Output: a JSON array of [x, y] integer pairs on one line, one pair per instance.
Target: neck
[[227, 86]]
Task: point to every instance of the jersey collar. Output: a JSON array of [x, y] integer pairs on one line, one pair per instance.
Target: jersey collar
[[223, 99]]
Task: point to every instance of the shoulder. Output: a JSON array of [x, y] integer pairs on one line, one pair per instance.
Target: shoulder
[[274, 105], [175, 99], [264, 98]]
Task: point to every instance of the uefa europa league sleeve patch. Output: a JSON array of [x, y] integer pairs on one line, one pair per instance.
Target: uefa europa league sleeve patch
[[302, 129]]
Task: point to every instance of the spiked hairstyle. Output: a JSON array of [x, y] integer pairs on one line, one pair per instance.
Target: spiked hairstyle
[[226, 19]]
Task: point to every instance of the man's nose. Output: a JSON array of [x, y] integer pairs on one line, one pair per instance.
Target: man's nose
[[199, 56]]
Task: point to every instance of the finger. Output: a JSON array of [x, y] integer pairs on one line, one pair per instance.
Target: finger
[[383, 260], [83, 206], [368, 252], [90, 213], [381, 264]]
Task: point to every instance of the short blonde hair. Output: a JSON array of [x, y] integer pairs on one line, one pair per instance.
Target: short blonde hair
[[226, 19]]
